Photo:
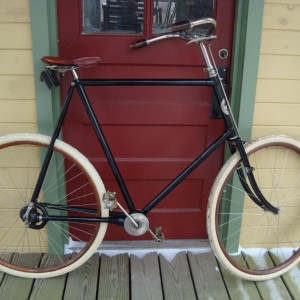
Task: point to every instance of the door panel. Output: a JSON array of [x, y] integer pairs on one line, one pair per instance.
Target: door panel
[[153, 132]]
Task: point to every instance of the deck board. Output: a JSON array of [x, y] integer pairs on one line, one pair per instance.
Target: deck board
[[114, 277], [270, 289], [176, 278], [18, 288], [51, 288], [145, 278], [13, 288], [291, 279], [238, 288], [185, 275], [207, 276], [85, 279]]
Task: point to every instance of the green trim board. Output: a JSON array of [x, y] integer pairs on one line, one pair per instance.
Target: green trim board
[[246, 49], [44, 42], [44, 37], [247, 38]]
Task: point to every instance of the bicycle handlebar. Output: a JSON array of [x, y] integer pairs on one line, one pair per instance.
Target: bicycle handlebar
[[178, 27]]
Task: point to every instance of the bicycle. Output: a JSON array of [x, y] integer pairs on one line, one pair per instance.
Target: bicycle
[[252, 209]]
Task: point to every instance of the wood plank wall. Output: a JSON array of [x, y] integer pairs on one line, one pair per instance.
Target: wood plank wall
[[17, 96], [277, 107]]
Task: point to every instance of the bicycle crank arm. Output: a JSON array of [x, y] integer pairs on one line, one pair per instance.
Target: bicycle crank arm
[[158, 235], [128, 215]]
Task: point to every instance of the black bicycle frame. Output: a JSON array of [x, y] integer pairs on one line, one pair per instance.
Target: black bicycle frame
[[229, 134], [80, 84]]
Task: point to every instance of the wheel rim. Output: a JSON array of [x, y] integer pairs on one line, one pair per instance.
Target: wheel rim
[[58, 244], [258, 242]]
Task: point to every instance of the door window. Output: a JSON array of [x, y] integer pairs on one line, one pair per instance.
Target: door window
[[166, 12], [128, 16], [113, 16]]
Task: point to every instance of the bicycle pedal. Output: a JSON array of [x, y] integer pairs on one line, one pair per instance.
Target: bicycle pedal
[[159, 234], [110, 201]]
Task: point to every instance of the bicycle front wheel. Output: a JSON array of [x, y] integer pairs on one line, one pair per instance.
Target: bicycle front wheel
[[47, 249], [252, 242]]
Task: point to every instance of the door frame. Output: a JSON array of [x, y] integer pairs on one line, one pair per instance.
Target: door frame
[[246, 48]]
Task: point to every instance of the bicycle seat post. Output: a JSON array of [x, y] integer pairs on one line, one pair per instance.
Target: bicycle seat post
[[75, 76]]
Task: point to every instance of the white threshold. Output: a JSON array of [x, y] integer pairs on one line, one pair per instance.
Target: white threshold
[[168, 248]]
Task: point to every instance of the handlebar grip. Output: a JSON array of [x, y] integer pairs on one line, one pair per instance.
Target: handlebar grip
[[139, 44], [180, 26]]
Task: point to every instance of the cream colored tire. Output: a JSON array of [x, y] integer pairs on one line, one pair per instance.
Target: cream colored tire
[[12, 147], [245, 247]]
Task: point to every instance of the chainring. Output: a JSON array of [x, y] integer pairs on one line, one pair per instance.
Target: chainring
[[141, 220]]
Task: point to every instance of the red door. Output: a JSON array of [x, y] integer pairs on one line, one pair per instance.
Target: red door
[[153, 132]]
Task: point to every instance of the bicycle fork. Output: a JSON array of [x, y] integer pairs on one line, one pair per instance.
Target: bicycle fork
[[254, 191]]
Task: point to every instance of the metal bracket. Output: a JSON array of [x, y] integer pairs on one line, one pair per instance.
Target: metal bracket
[[110, 201], [159, 234], [215, 112], [25, 216], [250, 169]]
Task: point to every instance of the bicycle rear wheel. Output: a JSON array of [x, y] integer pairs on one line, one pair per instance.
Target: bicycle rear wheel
[[251, 242], [71, 181]]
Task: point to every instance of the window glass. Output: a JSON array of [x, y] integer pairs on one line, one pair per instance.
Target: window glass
[[116, 16], [166, 12]]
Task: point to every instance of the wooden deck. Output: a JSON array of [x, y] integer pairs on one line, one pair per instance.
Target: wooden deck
[[162, 273]]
